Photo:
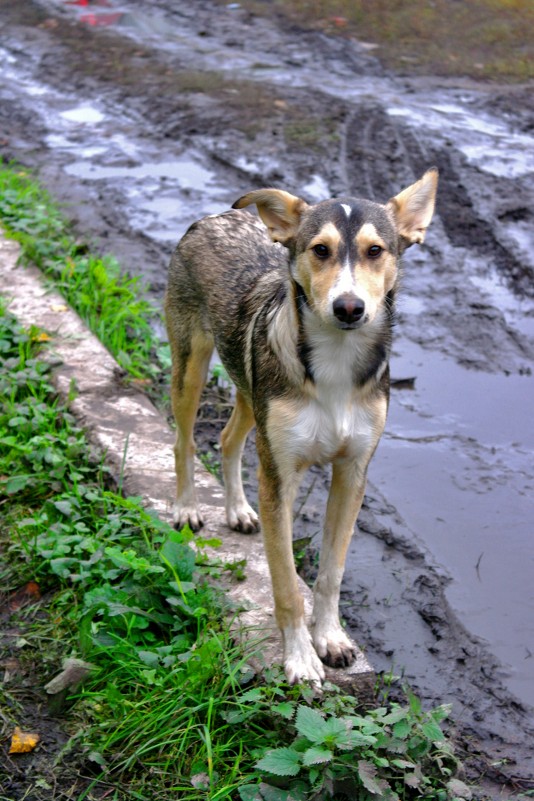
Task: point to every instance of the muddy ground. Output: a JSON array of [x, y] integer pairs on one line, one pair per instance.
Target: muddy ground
[[141, 119]]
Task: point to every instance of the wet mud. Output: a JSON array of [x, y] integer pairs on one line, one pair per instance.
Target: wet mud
[[142, 118]]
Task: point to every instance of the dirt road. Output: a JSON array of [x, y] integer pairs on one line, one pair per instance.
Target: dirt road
[[143, 118]]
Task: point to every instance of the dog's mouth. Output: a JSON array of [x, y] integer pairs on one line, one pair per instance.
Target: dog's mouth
[[351, 326]]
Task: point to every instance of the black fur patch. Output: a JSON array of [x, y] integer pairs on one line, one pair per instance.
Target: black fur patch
[[304, 348]]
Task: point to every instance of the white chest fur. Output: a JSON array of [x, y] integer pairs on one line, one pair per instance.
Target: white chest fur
[[334, 419], [332, 424]]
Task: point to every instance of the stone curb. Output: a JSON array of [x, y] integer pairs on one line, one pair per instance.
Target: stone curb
[[135, 438]]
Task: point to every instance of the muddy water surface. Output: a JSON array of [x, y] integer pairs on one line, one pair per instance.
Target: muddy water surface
[[439, 584]]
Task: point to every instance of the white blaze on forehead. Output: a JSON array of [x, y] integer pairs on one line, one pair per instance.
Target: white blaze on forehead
[[346, 208]]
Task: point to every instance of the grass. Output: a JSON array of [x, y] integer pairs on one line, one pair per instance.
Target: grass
[[114, 306], [170, 707], [490, 39]]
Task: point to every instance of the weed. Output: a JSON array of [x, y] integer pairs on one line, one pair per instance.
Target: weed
[[211, 463], [392, 743]]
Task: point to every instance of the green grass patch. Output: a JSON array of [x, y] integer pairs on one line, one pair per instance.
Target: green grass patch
[[113, 305], [171, 707], [489, 39]]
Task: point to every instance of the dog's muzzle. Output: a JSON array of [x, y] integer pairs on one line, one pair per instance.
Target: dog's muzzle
[[349, 309]]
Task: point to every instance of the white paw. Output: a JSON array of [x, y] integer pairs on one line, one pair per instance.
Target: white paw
[[185, 515], [333, 646], [301, 662], [242, 517]]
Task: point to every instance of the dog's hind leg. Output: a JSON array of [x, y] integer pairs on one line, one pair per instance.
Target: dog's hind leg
[[191, 354], [344, 502], [239, 514]]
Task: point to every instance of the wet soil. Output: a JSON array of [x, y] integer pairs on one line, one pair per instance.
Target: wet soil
[[143, 118]]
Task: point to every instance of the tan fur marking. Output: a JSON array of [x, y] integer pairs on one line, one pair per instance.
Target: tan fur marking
[[185, 401], [239, 514], [384, 267], [330, 236], [367, 236], [279, 210], [316, 276], [414, 206]]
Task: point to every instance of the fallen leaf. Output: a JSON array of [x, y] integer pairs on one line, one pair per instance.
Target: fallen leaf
[[28, 594], [340, 22], [60, 307], [23, 742]]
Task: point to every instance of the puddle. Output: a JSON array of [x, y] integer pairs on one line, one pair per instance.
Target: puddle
[[490, 145], [160, 193], [83, 114], [189, 173], [456, 461], [316, 189]]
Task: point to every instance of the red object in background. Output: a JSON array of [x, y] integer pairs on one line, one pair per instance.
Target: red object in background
[[86, 3], [101, 20], [96, 18]]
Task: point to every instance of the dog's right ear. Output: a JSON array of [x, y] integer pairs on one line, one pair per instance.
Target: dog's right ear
[[280, 211]]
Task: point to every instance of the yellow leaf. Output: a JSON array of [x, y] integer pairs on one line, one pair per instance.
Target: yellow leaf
[[23, 742], [43, 337], [60, 308]]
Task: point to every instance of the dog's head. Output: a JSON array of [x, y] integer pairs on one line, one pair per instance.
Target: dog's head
[[345, 252]]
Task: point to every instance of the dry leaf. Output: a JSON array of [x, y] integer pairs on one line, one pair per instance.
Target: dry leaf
[[23, 742], [28, 594]]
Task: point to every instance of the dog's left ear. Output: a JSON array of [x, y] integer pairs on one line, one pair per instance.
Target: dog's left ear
[[280, 211], [413, 208]]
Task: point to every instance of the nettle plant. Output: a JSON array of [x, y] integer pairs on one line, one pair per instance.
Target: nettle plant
[[391, 753]]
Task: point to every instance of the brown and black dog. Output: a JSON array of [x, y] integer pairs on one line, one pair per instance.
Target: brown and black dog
[[303, 327]]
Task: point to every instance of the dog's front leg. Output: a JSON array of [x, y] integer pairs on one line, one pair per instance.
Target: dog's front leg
[[188, 378], [344, 502], [240, 515], [276, 498]]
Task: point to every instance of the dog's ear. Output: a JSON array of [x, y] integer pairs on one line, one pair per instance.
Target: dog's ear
[[280, 211], [413, 208]]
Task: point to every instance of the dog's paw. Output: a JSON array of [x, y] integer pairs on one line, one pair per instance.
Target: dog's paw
[[299, 670], [301, 662], [334, 648], [186, 516], [243, 518]]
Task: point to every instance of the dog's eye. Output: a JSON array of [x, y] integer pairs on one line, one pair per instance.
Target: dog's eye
[[321, 251], [374, 251]]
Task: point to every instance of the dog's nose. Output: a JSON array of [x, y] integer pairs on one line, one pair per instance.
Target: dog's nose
[[348, 308]]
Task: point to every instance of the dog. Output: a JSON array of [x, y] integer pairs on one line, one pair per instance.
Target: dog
[[300, 307]]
